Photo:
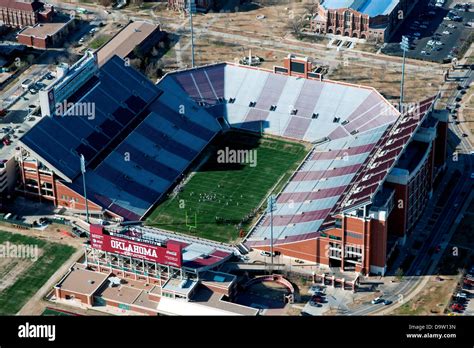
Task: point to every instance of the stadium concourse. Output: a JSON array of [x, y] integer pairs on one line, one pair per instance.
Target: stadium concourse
[[336, 207]]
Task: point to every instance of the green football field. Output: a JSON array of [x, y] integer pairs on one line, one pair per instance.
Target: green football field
[[30, 280], [221, 200]]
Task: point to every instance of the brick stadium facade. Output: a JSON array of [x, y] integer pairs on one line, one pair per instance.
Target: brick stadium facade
[[362, 240], [15, 13], [362, 208], [349, 22]]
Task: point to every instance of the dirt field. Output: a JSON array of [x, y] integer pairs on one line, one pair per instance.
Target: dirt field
[[433, 299], [273, 25], [417, 85]]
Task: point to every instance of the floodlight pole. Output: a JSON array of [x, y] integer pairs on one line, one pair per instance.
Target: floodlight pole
[[192, 32], [403, 80], [83, 170], [271, 234], [405, 45], [271, 207]]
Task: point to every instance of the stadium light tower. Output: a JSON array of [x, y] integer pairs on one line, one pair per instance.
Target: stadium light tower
[[192, 9], [83, 171], [405, 46], [271, 207]]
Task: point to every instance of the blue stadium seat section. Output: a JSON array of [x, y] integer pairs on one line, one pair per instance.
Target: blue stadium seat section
[[139, 141]]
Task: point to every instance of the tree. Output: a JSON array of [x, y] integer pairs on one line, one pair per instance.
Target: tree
[[295, 25], [311, 9], [399, 274]]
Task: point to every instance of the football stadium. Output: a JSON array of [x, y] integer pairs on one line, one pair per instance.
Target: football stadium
[[338, 157]]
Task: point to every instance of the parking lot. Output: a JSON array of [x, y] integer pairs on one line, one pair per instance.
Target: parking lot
[[436, 33]]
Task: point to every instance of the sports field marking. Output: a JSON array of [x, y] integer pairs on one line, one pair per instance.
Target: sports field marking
[[221, 200]]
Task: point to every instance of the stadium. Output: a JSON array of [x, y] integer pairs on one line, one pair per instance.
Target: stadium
[[350, 173]]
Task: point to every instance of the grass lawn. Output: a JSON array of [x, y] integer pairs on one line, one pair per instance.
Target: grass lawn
[[221, 199], [99, 41], [54, 255], [54, 313]]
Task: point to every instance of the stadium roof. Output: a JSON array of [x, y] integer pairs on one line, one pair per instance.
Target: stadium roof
[[372, 8]]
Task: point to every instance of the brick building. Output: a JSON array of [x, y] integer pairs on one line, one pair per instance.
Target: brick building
[[363, 19], [15, 13], [47, 35]]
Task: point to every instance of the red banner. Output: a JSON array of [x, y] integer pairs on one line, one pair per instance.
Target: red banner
[[170, 255]]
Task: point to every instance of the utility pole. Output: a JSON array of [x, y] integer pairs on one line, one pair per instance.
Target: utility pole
[[405, 46], [271, 207], [192, 9], [83, 171]]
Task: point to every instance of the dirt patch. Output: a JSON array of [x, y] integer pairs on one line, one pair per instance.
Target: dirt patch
[[12, 268], [418, 85]]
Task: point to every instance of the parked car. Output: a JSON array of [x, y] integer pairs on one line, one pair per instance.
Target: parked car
[[315, 304], [316, 290], [377, 300], [461, 295], [457, 307], [26, 84], [317, 299]]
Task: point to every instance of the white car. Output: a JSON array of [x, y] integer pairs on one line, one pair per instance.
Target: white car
[[439, 43], [461, 295], [377, 300], [451, 26], [446, 32], [472, 175], [423, 26]]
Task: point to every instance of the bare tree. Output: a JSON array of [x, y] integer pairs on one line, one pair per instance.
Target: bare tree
[[311, 9], [295, 25]]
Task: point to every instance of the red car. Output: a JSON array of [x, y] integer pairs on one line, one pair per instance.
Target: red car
[[317, 299], [457, 307], [3, 112]]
